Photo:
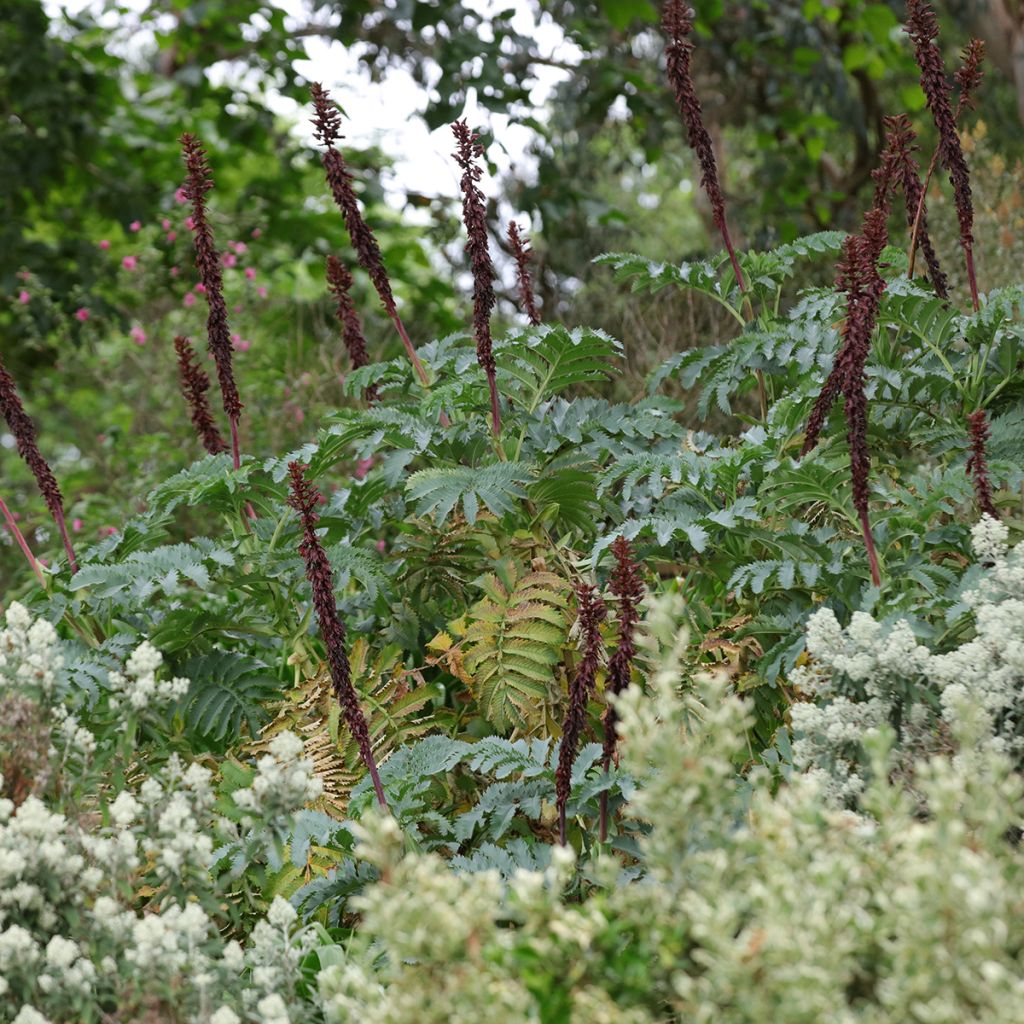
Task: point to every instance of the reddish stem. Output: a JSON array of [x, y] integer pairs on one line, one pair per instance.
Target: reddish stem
[[377, 787], [492, 383], [58, 514], [235, 453], [22, 543], [869, 544], [603, 826], [727, 239], [972, 279], [417, 364]]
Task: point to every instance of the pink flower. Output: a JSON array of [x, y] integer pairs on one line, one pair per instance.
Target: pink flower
[[261, 292], [129, 262], [189, 300], [174, 271], [200, 288], [23, 297], [172, 235], [382, 545], [238, 307], [240, 247], [107, 531], [190, 223], [239, 344], [138, 335], [298, 414], [229, 259], [250, 272], [165, 224], [104, 243], [82, 314], [180, 197], [136, 225], [363, 466], [256, 232], [76, 525]]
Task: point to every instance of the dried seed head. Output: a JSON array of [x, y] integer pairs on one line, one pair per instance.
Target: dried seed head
[[339, 281], [522, 254], [474, 215], [197, 183], [924, 29], [592, 612], [194, 384], [898, 157], [970, 74], [677, 24], [305, 498], [628, 587], [327, 128], [24, 432], [977, 462]]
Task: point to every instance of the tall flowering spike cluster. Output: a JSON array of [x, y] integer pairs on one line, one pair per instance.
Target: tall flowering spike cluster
[[24, 432], [627, 586], [522, 253], [592, 613], [677, 24], [858, 276], [327, 129], [969, 75], [197, 183], [304, 499], [901, 168], [339, 281], [474, 215], [977, 462], [194, 384], [924, 29]]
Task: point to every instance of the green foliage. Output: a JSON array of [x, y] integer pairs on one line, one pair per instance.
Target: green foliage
[[513, 646]]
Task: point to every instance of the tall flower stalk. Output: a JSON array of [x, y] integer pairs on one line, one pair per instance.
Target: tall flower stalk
[[923, 28], [898, 158], [304, 499], [977, 462], [968, 78], [592, 613], [24, 431], [327, 129], [677, 23], [860, 279], [627, 586], [19, 539], [195, 382], [474, 215], [339, 281], [522, 254], [198, 182]]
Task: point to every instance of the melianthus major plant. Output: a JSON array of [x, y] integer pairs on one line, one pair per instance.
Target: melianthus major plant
[[445, 581]]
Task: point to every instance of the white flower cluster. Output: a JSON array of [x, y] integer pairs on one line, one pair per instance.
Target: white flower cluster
[[30, 655], [284, 782], [178, 816], [69, 934], [860, 675], [138, 685]]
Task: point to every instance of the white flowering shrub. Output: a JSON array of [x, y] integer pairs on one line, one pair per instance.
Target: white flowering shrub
[[866, 675], [758, 903], [744, 899], [108, 908]]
